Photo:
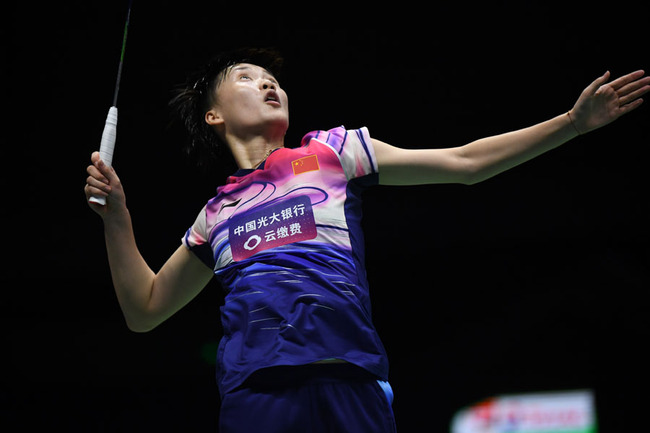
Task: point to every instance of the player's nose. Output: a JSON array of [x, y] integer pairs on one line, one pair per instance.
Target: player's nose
[[268, 84]]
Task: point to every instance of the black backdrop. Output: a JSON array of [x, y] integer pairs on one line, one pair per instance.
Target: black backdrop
[[531, 281]]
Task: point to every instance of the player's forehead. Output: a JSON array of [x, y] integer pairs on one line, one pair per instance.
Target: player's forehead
[[247, 67]]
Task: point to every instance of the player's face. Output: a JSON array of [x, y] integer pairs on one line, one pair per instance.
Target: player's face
[[250, 98]]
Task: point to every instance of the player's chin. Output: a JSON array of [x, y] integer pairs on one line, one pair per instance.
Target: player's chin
[[279, 120]]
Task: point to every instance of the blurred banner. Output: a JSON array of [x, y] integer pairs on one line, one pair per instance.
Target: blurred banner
[[548, 412]]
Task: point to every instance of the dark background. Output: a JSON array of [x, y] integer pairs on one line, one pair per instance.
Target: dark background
[[532, 281]]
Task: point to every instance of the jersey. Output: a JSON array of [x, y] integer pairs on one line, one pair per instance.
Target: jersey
[[285, 242]]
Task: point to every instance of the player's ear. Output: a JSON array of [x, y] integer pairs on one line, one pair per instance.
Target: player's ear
[[213, 118]]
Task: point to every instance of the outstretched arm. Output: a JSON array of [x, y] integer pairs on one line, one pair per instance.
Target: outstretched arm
[[600, 103]]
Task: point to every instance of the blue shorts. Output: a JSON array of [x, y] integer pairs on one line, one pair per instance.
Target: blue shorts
[[325, 398]]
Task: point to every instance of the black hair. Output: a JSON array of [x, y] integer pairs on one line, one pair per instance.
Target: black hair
[[196, 96]]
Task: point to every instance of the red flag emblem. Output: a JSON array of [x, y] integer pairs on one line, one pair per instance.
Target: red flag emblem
[[305, 164]]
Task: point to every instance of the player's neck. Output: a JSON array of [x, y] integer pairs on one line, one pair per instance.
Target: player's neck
[[251, 152]]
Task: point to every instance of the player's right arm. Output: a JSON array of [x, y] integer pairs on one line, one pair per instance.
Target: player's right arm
[[147, 298]]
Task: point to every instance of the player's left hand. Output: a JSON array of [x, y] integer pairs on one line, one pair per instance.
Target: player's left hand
[[602, 102]]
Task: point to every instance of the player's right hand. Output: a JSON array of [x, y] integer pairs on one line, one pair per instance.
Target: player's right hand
[[102, 181]]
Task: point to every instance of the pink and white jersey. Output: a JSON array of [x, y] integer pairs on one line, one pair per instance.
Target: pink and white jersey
[[285, 242]]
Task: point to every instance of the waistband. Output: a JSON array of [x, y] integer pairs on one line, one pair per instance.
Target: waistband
[[285, 376]]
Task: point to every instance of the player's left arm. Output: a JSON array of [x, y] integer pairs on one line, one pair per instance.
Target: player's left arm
[[600, 103]]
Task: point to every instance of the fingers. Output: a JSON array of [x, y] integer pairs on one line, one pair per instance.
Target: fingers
[[625, 79], [633, 90], [631, 106], [633, 96], [630, 86], [95, 169], [628, 90], [100, 177], [107, 171], [96, 184]]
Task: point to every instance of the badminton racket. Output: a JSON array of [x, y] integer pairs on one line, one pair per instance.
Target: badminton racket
[[109, 135]]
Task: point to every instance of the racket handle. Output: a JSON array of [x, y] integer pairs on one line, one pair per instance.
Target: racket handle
[[107, 145]]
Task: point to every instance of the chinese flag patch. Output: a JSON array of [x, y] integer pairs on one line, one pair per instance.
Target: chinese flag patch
[[305, 164]]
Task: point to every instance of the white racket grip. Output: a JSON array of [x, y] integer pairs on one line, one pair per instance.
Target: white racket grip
[[107, 145]]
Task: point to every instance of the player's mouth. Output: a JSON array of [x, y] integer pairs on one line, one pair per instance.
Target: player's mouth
[[272, 98]]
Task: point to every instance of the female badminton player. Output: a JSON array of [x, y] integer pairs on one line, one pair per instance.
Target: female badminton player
[[283, 237]]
